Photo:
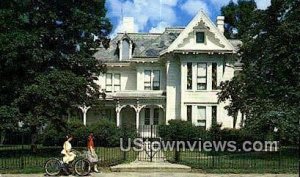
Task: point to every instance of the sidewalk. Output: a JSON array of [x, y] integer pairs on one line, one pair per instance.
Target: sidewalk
[[160, 174]]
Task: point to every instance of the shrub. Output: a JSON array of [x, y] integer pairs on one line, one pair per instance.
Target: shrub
[[54, 135], [179, 130], [106, 133]]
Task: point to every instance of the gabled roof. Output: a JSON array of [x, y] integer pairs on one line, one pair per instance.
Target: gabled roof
[[147, 45], [201, 19], [153, 45]]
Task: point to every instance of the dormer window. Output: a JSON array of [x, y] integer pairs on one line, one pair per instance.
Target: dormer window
[[125, 49], [199, 37]]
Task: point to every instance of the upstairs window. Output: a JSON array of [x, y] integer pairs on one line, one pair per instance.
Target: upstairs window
[[113, 82], [199, 37], [156, 80], [201, 76], [147, 80], [125, 49], [108, 82], [117, 82], [189, 77], [214, 76], [151, 80]]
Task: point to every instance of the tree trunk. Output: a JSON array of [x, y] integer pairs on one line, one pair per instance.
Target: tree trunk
[[234, 120], [242, 121], [2, 137], [33, 130]]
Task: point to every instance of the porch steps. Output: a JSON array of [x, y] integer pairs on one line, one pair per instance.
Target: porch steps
[[140, 166]]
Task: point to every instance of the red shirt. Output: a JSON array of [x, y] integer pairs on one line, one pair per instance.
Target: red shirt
[[90, 142]]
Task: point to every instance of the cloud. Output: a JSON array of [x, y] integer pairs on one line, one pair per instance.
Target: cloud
[[192, 7], [155, 15], [263, 4], [159, 28], [156, 12]]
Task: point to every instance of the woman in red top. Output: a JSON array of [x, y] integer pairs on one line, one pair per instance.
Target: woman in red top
[[92, 156]]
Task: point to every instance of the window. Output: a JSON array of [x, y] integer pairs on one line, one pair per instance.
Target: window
[[156, 80], [189, 113], [155, 116], [214, 114], [117, 82], [147, 116], [201, 76], [201, 116], [125, 49], [108, 82], [189, 77], [152, 80], [199, 37], [214, 76], [147, 80], [113, 82]]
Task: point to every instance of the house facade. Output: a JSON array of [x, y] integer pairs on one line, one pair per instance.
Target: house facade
[[152, 78]]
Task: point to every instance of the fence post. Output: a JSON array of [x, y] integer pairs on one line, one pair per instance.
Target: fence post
[[22, 152], [126, 145], [279, 162], [151, 132]]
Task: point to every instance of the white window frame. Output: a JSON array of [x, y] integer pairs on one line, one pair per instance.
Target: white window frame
[[200, 78], [150, 84], [114, 85], [199, 119]]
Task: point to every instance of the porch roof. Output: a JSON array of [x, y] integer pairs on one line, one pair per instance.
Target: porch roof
[[159, 94]]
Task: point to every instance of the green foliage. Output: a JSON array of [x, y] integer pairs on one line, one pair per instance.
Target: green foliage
[[106, 133], [46, 63], [179, 130], [267, 89], [239, 17]]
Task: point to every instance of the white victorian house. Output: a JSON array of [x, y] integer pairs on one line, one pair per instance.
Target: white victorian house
[[152, 78]]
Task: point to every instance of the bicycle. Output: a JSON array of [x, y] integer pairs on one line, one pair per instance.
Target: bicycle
[[81, 166]]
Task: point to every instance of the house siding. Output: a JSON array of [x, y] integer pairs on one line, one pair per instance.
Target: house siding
[[173, 89]]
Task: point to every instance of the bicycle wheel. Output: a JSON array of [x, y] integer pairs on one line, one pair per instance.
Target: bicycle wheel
[[52, 167], [82, 167]]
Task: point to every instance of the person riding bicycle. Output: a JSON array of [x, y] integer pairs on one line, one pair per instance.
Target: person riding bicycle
[[67, 150]]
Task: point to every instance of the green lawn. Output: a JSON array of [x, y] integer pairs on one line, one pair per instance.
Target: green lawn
[[18, 159], [285, 161], [15, 160]]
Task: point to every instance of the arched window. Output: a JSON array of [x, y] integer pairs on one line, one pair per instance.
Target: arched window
[[125, 49]]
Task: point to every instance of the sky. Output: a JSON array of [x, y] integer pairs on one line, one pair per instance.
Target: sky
[[155, 15]]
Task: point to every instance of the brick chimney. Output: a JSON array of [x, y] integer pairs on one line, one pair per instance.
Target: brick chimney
[[128, 25], [220, 23]]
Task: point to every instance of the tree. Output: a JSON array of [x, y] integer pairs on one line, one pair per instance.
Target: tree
[[47, 64], [238, 17], [269, 84]]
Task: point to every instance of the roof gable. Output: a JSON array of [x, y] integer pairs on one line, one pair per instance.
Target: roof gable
[[214, 39]]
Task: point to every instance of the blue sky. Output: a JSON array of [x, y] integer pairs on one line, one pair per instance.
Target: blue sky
[[155, 15]]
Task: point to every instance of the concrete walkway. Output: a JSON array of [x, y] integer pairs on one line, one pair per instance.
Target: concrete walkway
[[161, 174], [139, 166]]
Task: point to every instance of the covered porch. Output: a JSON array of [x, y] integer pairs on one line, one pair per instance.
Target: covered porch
[[143, 115]]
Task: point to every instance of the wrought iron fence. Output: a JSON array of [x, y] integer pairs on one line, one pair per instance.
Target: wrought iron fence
[[16, 153]]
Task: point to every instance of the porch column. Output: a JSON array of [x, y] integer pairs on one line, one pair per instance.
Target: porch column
[[84, 110], [137, 109], [137, 117], [118, 110]]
